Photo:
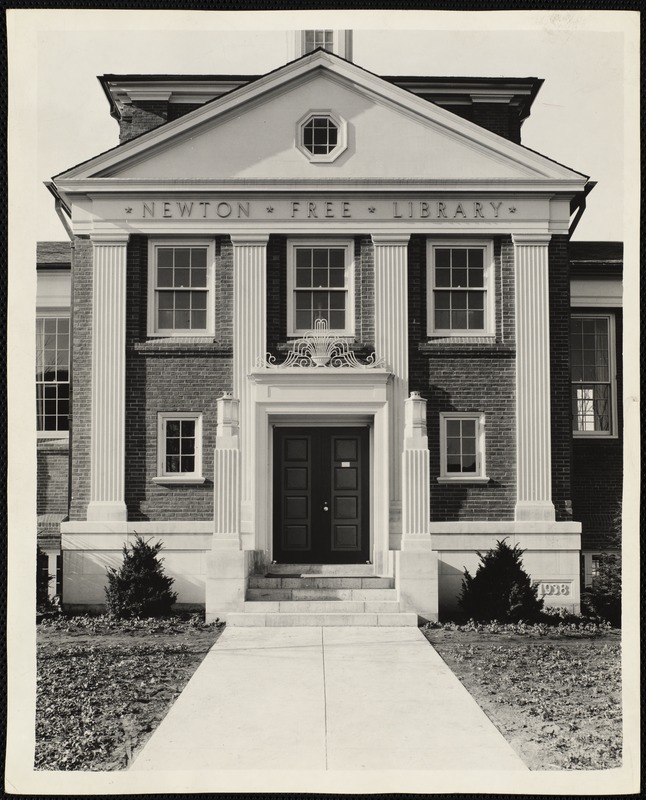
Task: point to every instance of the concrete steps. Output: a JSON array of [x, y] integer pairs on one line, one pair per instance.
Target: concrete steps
[[321, 595]]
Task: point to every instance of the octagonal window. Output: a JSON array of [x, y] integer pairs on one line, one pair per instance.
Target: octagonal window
[[321, 136]]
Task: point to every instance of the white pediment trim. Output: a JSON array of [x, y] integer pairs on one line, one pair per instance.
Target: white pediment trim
[[527, 162]]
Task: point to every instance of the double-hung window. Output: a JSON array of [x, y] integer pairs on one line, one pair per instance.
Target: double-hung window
[[181, 288], [462, 448], [52, 374], [593, 374], [460, 280], [179, 448], [320, 287], [319, 38]]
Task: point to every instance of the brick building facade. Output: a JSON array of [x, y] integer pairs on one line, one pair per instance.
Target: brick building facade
[[321, 326]]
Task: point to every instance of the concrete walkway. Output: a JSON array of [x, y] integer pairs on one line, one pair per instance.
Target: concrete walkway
[[325, 699]]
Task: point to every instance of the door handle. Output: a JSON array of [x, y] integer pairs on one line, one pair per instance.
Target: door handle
[[325, 506]]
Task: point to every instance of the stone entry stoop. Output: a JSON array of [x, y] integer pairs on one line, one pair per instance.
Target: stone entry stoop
[[321, 595]]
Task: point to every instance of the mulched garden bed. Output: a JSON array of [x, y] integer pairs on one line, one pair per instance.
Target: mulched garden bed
[[104, 686], [554, 693]]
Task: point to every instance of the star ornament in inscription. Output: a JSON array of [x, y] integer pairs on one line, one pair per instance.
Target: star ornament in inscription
[[129, 210], [270, 209], [512, 209], [371, 209]]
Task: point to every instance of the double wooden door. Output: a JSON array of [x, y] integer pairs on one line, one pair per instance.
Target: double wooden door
[[321, 503]]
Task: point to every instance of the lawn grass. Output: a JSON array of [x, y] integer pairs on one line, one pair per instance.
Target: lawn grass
[[104, 686], [555, 697]]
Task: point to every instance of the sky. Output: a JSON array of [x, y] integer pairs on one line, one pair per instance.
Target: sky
[[577, 118]]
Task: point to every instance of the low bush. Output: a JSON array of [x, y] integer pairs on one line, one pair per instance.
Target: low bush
[[44, 603], [603, 599], [500, 590], [139, 588], [573, 626]]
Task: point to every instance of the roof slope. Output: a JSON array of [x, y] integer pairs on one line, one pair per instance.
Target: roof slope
[[249, 134]]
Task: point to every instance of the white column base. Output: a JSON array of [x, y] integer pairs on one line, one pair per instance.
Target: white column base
[[541, 511], [226, 582], [417, 581], [107, 511]]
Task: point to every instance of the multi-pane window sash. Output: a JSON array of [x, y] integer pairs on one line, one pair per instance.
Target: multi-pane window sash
[[591, 369], [320, 135], [461, 446], [320, 287], [52, 373], [459, 289], [181, 288], [315, 39], [179, 448]]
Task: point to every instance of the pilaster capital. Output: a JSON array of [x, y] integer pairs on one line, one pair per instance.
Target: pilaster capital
[[529, 239], [110, 237], [242, 239], [385, 239]]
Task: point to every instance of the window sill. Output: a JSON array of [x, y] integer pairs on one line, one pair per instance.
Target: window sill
[[179, 479], [464, 479], [597, 436]]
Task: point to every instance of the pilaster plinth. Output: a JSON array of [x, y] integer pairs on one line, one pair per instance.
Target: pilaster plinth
[[533, 436], [391, 343], [226, 475], [107, 450], [249, 342], [415, 477]]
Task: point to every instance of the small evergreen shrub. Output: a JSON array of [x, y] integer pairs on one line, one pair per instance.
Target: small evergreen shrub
[[500, 590], [602, 600], [43, 579], [139, 588]]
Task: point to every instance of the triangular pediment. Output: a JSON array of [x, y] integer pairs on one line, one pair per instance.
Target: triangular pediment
[[252, 134]]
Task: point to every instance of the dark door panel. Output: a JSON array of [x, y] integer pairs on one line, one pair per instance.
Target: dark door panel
[[321, 503]]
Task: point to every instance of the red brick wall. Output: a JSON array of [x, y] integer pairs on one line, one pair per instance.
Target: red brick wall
[[559, 293], [81, 383], [468, 377], [597, 469], [499, 119], [171, 375], [137, 118], [364, 296], [177, 110], [51, 483]]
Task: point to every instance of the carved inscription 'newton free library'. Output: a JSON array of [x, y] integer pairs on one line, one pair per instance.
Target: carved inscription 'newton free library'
[[305, 209]]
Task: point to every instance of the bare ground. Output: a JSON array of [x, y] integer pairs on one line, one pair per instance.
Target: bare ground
[[556, 700]]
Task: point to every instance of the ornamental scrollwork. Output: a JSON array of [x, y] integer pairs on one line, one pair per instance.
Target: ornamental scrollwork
[[320, 348]]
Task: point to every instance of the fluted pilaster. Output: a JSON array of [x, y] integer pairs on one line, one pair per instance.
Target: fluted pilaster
[[107, 459], [227, 474], [533, 438], [391, 343], [249, 342], [415, 477]]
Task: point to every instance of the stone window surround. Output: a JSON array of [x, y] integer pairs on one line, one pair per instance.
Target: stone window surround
[[342, 136], [153, 244], [480, 475], [163, 417], [489, 329], [321, 242], [612, 369], [56, 313]]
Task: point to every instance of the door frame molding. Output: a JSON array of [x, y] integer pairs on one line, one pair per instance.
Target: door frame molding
[[322, 396]]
